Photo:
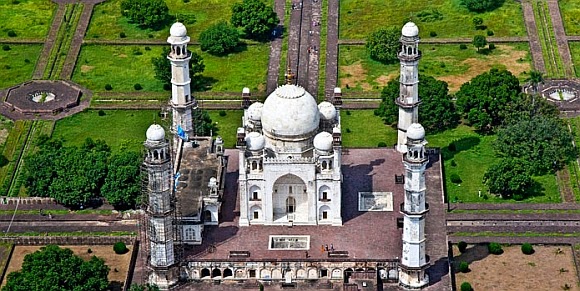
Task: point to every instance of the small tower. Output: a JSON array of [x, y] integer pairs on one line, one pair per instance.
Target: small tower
[[182, 102], [414, 261], [408, 100], [160, 210]]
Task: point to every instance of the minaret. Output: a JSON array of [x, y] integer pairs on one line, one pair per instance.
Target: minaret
[[408, 100], [160, 209], [414, 262], [182, 102]]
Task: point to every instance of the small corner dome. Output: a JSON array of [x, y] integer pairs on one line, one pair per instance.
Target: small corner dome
[[336, 129], [323, 141], [255, 111], [410, 29], [416, 131], [327, 110], [178, 30], [255, 141], [155, 133]]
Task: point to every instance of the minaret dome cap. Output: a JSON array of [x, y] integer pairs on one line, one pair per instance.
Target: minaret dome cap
[[416, 132], [178, 30], [155, 133], [410, 29]]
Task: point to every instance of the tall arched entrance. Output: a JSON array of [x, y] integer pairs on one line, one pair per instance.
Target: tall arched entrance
[[289, 199]]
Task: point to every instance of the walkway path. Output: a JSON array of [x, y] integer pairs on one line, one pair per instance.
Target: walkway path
[[75, 47], [332, 42], [49, 43], [276, 49], [535, 46], [561, 39]]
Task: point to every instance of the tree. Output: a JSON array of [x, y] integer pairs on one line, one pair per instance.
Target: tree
[[56, 269], [257, 19], [219, 39], [383, 44], [477, 22], [147, 287], [544, 142], [436, 104], [482, 5], [465, 286], [494, 248], [122, 184], [527, 249], [509, 177], [162, 67], [462, 246], [535, 78], [488, 98], [145, 13], [203, 124], [479, 41], [463, 267]]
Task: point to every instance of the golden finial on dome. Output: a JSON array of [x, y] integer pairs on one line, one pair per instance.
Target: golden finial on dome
[[289, 76]]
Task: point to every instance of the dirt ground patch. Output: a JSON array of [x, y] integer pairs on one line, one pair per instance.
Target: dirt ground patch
[[355, 74], [114, 261], [383, 80], [86, 69], [549, 268], [503, 55]]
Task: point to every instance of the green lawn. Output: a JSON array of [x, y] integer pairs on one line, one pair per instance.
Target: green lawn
[[107, 22], [30, 19], [570, 10], [17, 64], [473, 156], [227, 125], [575, 52], [119, 128], [445, 62], [124, 66], [360, 17], [361, 128]]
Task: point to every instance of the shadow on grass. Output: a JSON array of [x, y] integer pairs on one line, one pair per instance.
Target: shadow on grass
[[203, 83], [459, 145]]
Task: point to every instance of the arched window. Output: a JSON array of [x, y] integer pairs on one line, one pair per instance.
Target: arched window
[[189, 234], [216, 273], [205, 273], [156, 155], [410, 50], [254, 165], [290, 205], [324, 165]]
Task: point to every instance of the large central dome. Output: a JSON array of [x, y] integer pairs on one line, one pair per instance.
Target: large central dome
[[290, 111]]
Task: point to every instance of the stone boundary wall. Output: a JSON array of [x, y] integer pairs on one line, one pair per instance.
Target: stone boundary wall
[[5, 200], [7, 263], [67, 240], [132, 263]]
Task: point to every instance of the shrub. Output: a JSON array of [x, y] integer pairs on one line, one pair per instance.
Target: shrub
[[430, 15], [494, 248], [455, 178], [462, 246], [432, 34], [147, 48], [222, 113], [463, 267], [26, 61], [120, 248], [453, 163], [122, 35], [452, 147], [137, 52], [166, 87], [465, 286], [462, 46], [89, 251], [3, 161], [102, 113], [348, 130], [382, 144], [108, 87], [11, 33], [527, 249], [5, 47], [491, 46], [348, 112], [490, 32], [138, 87]]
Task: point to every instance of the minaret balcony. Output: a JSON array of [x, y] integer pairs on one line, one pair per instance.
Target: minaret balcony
[[417, 268], [409, 58], [402, 104], [413, 213], [192, 103]]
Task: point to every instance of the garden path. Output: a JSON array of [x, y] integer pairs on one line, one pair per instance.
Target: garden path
[[49, 43], [535, 46], [561, 39], [276, 48], [332, 42], [77, 41]]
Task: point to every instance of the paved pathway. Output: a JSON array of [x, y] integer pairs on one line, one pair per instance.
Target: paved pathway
[[332, 42], [535, 47], [561, 39], [75, 47], [276, 49], [49, 43]]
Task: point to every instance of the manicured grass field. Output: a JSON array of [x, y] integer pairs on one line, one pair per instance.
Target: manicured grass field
[[473, 156], [360, 17], [14, 67], [107, 22], [30, 19], [118, 128], [362, 129], [445, 62], [227, 125], [570, 9], [575, 52], [124, 66]]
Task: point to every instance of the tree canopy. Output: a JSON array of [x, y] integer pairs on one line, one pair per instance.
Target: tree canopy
[[488, 98], [479, 41], [482, 5], [162, 68], [56, 269], [203, 124], [219, 39], [543, 141], [146, 13], [509, 177], [256, 18], [121, 187], [436, 112], [383, 44], [147, 287]]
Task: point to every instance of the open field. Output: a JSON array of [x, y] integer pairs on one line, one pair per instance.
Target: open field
[[121, 129], [125, 66], [361, 128], [114, 261], [107, 22], [17, 64], [474, 154], [29, 19], [356, 20], [570, 10], [575, 52], [545, 269], [227, 125], [445, 62]]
